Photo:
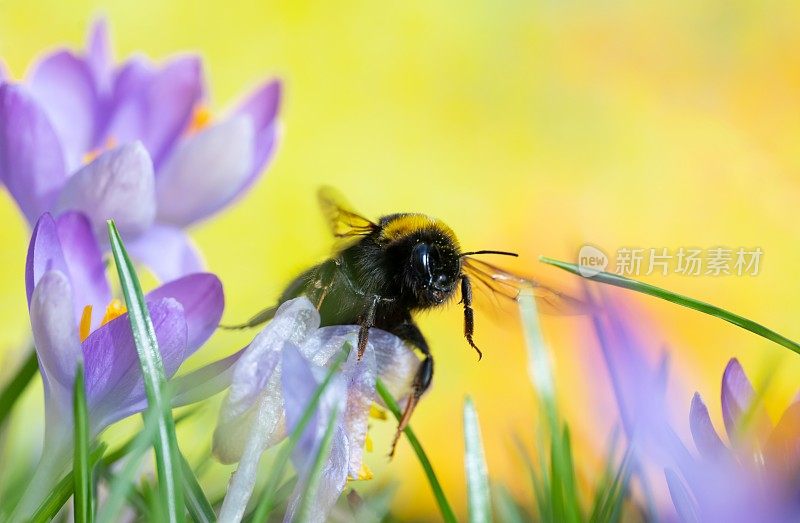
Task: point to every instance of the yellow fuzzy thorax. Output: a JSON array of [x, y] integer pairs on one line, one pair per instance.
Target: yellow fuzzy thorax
[[407, 224]]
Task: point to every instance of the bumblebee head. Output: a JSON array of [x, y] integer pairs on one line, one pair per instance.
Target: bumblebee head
[[432, 270]]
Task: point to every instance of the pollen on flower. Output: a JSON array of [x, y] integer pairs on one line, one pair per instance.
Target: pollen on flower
[[115, 309], [365, 474], [200, 119], [90, 156], [376, 412], [368, 445], [86, 323]]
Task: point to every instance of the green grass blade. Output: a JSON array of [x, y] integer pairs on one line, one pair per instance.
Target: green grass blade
[[65, 488], [268, 493], [62, 491], [315, 472], [444, 506], [478, 496], [14, 389], [199, 508], [507, 509], [166, 445], [122, 484], [691, 303], [82, 469]]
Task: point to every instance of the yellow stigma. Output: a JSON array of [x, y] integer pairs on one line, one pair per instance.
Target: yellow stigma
[[86, 323], [364, 474], [200, 119], [368, 445], [89, 157], [376, 412], [115, 309]]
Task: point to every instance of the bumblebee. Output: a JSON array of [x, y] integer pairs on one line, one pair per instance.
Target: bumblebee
[[383, 272]]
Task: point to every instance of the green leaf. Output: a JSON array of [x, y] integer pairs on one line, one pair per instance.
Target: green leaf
[[65, 488], [62, 491], [14, 389], [478, 496], [691, 303], [268, 493], [82, 468], [166, 444], [315, 472], [122, 483], [196, 501], [436, 487]]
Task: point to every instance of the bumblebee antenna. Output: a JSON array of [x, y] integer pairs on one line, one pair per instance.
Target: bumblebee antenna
[[502, 253]]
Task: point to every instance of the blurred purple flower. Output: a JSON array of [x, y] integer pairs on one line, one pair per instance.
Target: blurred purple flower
[[753, 479], [273, 383], [132, 142], [751, 482]]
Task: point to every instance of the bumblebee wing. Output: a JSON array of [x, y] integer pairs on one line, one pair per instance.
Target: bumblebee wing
[[342, 221], [502, 287]]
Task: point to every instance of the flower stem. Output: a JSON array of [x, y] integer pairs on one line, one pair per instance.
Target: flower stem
[[436, 487]]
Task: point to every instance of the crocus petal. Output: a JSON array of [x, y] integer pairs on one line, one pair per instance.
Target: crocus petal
[[737, 395], [128, 105], [294, 322], [63, 86], [262, 108], [331, 483], [203, 301], [114, 384], [99, 55], [255, 395], [359, 377], [164, 105], [396, 362], [167, 251], [117, 185], [31, 157], [706, 440], [44, 254], [684, 504], [84, 260], [205, 172], [3, 72], [300, 381], [55, 332]]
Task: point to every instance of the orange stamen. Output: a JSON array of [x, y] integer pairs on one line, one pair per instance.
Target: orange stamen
[[86, 323], [115, 309], [200, 119], [90, 156]]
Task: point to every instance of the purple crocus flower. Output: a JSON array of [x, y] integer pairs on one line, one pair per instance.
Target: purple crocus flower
[[753, 480], [67, 294], [132, 142], [273, 382], [754, 477]]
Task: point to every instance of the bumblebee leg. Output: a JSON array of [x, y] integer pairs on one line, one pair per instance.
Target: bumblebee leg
[[422, 380], [366, 322], [321, 283], [469, 315], [260, 318]]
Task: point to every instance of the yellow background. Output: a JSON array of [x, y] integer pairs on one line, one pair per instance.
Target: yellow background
[[529, 126]]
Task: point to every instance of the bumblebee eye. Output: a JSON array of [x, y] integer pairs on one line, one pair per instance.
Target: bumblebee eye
[[421, 260]]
